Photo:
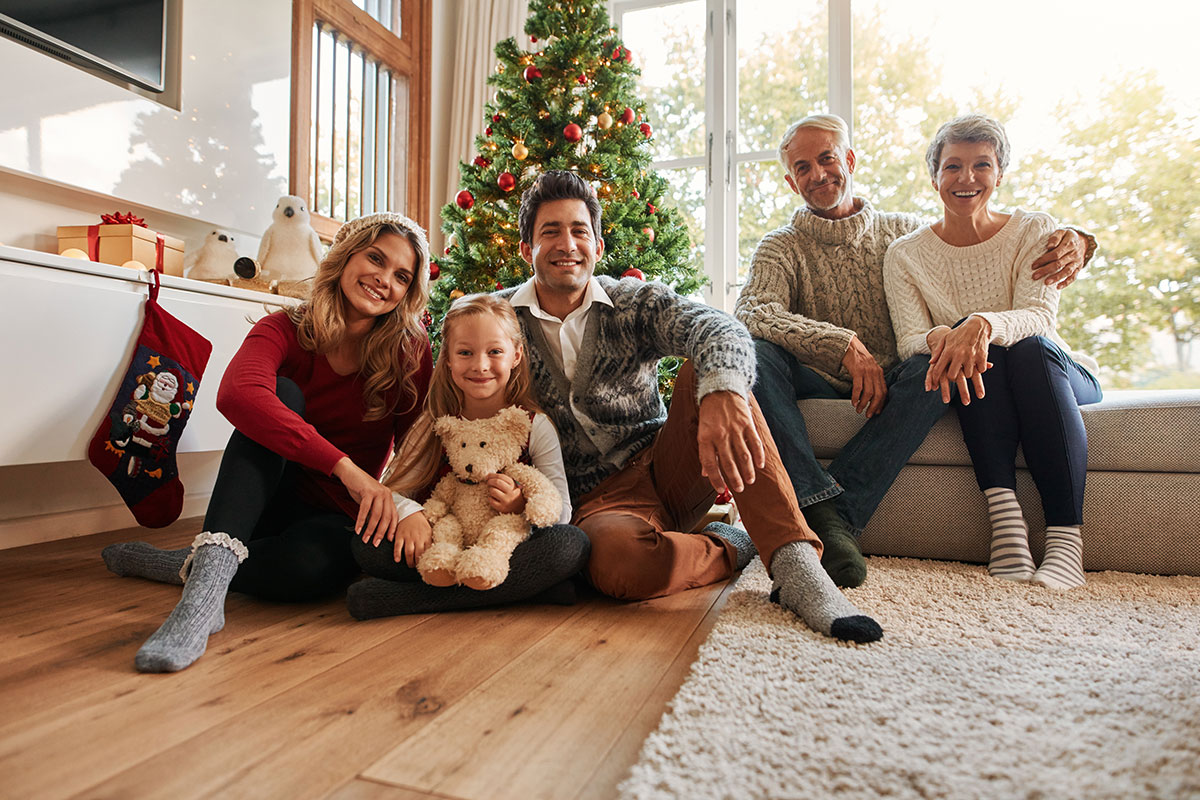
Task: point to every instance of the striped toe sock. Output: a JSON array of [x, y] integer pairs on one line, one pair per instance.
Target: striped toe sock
[[1062, 568], [1010, 558]]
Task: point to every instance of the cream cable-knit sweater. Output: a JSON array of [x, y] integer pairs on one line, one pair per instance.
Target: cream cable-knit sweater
[[931, 283], [815, 283]]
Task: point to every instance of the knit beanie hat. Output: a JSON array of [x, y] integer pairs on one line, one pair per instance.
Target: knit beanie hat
[[412, 231]]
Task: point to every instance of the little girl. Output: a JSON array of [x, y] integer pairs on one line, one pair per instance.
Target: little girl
[[480, 370]]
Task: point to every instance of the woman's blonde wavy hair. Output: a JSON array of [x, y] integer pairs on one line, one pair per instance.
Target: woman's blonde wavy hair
[[418, 459], [390, 353]]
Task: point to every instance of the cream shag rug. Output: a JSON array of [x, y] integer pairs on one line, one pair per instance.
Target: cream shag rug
[[981, 688]]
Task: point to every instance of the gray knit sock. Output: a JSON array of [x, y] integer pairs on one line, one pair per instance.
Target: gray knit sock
[[736, 537], [201, 611], [802, 586], [143, 560], [540, 563]]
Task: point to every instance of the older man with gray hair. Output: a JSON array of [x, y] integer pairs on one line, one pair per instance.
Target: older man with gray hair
[[814, 303]]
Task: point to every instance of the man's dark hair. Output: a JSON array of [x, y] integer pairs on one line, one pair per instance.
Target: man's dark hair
[[556, 184]]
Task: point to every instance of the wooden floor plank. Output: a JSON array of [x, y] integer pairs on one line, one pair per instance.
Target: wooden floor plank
[[315, 737], [131, 717], [540, 726], [614, 765], [360, 789]]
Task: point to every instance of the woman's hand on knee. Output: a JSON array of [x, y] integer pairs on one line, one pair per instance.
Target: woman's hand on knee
[[377, 515]]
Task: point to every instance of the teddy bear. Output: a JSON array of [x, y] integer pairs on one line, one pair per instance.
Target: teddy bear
[[472, 542]]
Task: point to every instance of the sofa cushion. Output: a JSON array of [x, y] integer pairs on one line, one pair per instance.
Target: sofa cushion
[[1130, 430]]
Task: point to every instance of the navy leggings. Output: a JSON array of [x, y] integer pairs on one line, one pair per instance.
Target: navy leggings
[[297, 552], [1032, 396]]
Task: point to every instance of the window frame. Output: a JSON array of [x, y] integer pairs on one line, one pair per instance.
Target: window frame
[[722, 158], [407, 56]]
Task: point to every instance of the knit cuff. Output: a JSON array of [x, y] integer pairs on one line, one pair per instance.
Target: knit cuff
[[219, 539], [725, 380]]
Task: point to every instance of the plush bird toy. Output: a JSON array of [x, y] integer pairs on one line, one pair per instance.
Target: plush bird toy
[[290, 249], [214, 260]]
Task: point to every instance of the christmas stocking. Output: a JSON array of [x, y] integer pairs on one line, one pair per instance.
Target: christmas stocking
[[136, 443]]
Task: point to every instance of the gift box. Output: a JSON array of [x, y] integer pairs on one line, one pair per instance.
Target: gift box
[[116, 243]]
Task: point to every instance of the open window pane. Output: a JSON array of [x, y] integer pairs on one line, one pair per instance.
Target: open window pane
[[668, 47], [782, 67]]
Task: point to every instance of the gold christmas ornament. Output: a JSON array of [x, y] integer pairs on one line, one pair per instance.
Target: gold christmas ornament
[[519, 151], [604, 121], [457, 293]]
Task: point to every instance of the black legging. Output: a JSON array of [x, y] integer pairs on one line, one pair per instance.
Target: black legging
[[297, 552]]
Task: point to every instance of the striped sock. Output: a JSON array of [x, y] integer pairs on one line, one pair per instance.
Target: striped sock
[[1010, 558], [1062, 568]]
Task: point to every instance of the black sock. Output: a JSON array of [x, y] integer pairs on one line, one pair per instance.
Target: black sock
[[841, 556]]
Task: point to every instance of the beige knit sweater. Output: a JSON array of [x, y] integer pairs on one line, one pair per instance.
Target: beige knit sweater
[[815, 283], [931, 283]]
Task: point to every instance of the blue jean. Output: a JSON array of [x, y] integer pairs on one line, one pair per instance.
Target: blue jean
[[1032, 395], [865, 468]]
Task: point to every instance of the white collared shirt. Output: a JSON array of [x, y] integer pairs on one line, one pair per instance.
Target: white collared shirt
[[564, 336]]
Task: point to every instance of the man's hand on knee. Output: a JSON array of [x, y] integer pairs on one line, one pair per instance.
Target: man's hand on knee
[[730, 447], [869, 391]]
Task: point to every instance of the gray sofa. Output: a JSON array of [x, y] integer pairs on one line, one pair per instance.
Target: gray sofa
[[1141, 506]]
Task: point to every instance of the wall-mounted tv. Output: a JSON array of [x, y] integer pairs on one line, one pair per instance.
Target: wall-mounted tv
[[124, 38]]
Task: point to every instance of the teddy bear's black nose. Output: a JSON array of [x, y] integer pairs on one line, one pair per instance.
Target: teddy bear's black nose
[[469, 468]]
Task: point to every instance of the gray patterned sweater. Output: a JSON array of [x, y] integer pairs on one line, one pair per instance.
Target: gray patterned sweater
[[612, 410], [815, 283]]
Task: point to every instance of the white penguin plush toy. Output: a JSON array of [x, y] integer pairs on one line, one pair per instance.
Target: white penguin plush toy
[[214, 260], [290, 249]]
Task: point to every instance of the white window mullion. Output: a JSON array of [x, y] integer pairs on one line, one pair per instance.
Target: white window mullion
[[841, 62], [720, 211]]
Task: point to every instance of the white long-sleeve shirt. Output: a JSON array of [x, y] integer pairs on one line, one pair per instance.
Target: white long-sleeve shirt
[[545, 453], [931, 283]]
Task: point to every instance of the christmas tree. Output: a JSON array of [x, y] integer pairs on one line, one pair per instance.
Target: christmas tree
[[573, 105]]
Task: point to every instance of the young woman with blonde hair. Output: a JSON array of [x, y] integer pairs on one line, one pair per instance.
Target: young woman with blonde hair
[[318, 395], [481, 369]]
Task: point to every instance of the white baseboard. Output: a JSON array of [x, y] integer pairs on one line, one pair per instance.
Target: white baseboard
[[84, 522]]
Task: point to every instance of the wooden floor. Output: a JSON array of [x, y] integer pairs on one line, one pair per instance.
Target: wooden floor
[[298, 701]]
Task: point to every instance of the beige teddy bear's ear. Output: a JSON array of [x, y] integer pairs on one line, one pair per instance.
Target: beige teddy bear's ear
[[447, 425], [513, 420]]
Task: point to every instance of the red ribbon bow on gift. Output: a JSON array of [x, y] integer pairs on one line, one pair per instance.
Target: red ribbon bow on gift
[[126, 218]]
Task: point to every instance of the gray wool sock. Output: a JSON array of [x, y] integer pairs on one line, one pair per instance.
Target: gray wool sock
[[143, 560], [802, 586], [201, 611], [736, 537], [540, 563]]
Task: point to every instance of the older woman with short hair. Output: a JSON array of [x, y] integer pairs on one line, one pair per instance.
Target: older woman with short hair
[[959, 290]]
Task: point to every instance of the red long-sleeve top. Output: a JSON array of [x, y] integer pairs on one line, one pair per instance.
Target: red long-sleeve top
[[332, 426]]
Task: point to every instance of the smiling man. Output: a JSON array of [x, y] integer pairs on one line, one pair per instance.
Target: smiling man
[[642, 478], [814, 303]]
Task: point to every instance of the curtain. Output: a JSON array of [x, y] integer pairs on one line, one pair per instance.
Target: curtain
[[481, 24]]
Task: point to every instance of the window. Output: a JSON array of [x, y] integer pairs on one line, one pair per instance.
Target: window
[[360, 108], [1107, 145]]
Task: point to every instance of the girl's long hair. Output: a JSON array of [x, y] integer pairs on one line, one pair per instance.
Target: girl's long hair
[[418, 459], [390, 353]]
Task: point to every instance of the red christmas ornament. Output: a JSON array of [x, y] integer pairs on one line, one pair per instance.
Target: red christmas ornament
[[636, 194], [648, 232], [532, 73], [446, 252], [499, 286], [426, 319], [506, 181], [533, 38], [487, 131], [645, 129], [581, 80], [723, 497], [482, 162], [627, 117], [617, 53], [495, 117], [464, 199], [634, 272], [435, 271], [572, 133]]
